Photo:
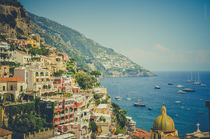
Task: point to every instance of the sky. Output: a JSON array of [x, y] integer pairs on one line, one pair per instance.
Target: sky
[[160, 35]]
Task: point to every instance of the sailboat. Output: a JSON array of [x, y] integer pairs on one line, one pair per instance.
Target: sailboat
[[138, 103], [190, 79], [198, 81], [127, 97]]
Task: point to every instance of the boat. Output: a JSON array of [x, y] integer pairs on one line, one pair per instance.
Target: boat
[[118, 98], [176, 115], [203, 85], [188, 90], [138, 104], [188, 109], [178, 101], [181, 92], [149, 108], [128, 98], [179, 86], [198, 81], [157, 87], [170, 84], [190, 80]]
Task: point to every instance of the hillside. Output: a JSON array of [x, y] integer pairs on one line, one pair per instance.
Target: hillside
[[89, 54]]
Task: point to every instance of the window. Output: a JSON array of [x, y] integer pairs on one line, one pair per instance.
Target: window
[[46, 74], [21, 88], [4, 88], [37, 74], [42, 73], [11, 87], [37, 80]]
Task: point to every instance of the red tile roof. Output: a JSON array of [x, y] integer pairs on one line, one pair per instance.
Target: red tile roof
[[11, 79], [141, 134], [4, 132]]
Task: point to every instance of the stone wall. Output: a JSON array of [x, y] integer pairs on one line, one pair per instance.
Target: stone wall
[[48, 133]]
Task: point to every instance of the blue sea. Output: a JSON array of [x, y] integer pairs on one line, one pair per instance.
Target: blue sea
[[185, 114]]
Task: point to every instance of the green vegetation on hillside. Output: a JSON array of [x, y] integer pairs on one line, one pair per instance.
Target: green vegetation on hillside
[[85, 80]]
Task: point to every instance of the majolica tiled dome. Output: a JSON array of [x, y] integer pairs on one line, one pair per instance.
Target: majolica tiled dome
[[163, 122]]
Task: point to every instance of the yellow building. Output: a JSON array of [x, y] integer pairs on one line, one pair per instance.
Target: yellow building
[[33, 43], [102, 108], [12, 85], [163, 126]]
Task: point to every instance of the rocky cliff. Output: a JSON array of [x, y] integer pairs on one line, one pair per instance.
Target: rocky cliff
[[14, 20]]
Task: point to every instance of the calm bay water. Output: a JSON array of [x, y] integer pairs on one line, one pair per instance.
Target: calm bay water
[[190, 111]]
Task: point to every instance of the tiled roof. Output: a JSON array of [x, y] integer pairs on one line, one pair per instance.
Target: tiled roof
[[11, 79], [4, 132], [140, 134]]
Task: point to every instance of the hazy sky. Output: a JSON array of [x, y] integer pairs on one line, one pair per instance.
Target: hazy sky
[[157, 34]]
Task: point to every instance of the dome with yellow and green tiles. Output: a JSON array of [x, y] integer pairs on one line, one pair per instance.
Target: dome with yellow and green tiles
[[163, 122]]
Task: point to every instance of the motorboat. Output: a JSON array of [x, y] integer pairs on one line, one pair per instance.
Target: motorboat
[[179, 86], [118, 98], [157, 87], [170, 84], [188, 90], [138, 103], [149, 108]]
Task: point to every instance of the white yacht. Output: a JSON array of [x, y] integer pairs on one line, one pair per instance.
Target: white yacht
[[179, 86], [157, 87], [188, 90]]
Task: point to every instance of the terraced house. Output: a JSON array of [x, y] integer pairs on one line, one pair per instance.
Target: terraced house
[[37, 79], [12, 85]]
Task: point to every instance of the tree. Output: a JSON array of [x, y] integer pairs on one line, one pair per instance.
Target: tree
[[93, 127], [84, 80], [58, 73], [95, 73]]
